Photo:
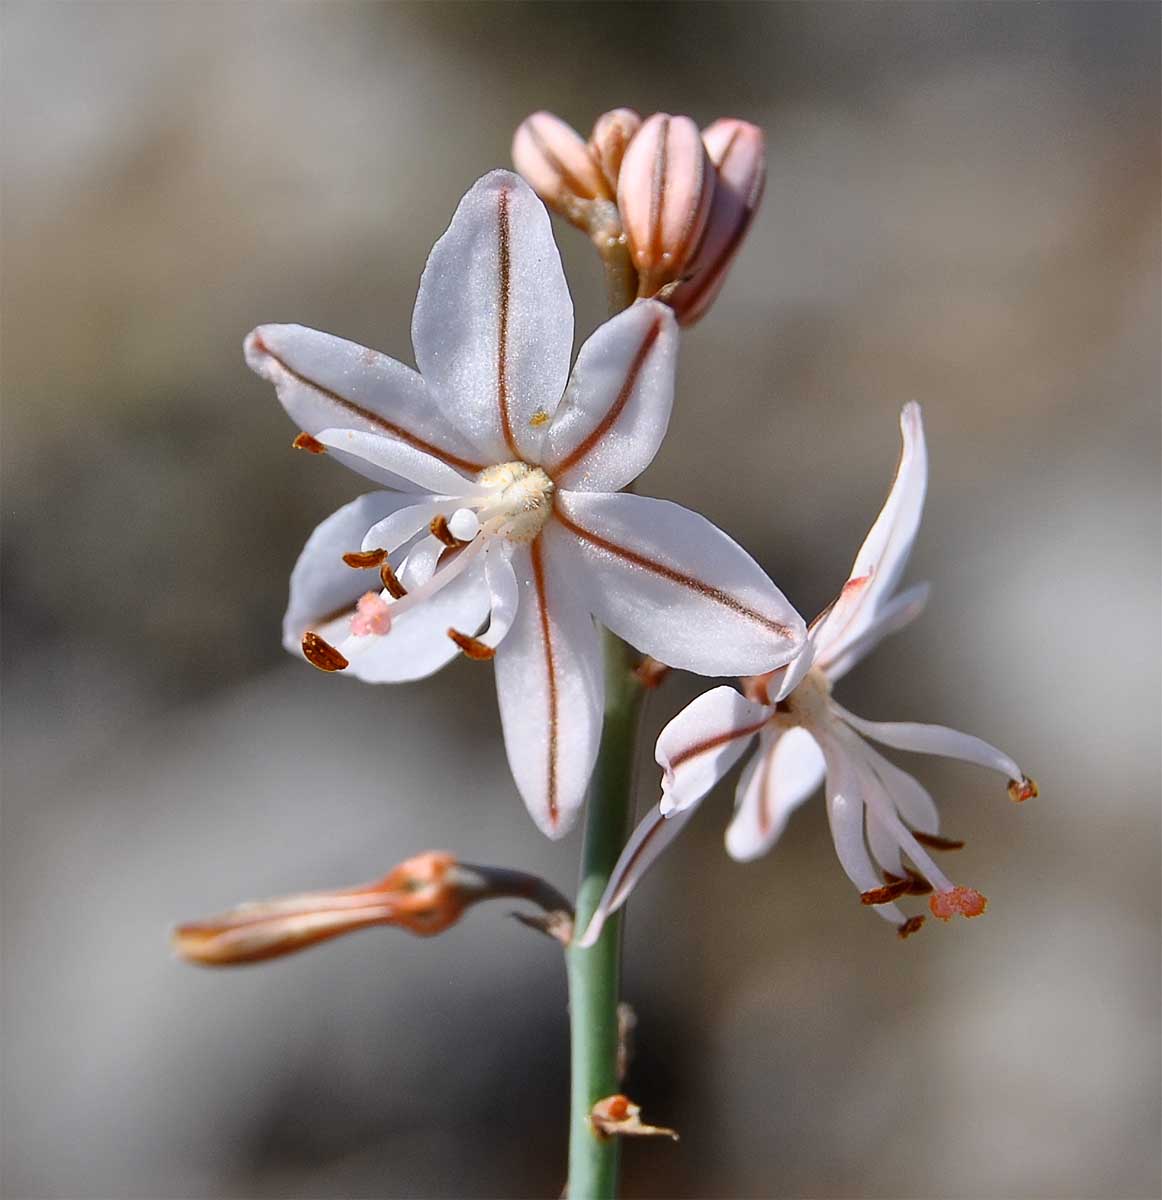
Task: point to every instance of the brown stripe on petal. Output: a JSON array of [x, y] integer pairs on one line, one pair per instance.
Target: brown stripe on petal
[[372, 418], [713, 743], [615, 409], [766, 817], [311, 445], [572, 182], [708, 590], [322, 654], [394, 588], [550, 676], [657, 192], [504, 280], [473, 648], [935, 842], [363, 559]]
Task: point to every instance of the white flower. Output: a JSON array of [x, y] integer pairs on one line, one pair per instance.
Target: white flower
[[879, 815], [505, 516]]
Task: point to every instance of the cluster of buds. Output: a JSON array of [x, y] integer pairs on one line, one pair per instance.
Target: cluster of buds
[[425, 895], [675, 201]]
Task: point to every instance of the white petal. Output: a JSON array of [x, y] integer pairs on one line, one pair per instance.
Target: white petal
[[845, 807], [644, 848], [884, 553], [325, 382], [422, 470], [504, 594], [676, 587], [321, 582], [550, 686], [933, 739], [916, 806], [898, 613], [615, 411], [420, 564], [883, 845], [493, 325], [703, 742], [391, 533], [784, 773], [418, 643]]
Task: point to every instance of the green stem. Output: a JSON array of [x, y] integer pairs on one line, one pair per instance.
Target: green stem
[[594, 974]]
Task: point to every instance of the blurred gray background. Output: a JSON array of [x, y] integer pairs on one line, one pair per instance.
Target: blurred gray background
[[963, 208]]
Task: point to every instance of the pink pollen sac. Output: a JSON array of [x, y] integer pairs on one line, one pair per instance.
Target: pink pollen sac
[[959, 901], [372, 615]]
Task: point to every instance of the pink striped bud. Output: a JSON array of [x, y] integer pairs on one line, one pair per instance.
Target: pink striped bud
[[664, 191], [558, 165], [737, 150], [610, 137]]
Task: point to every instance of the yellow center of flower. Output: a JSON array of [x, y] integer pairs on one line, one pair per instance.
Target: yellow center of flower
[[807, 704], [521, 503]]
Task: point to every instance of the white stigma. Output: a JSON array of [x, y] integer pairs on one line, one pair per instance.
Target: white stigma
[[520, 502]]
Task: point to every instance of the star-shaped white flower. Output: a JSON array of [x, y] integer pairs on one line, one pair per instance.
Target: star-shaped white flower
[[505, 516], [879, 815]]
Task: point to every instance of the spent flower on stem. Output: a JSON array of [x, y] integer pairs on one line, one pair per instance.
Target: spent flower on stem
[[880, 816]]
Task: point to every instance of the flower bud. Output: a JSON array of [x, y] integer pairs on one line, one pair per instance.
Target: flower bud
[[422, 895], [611, 135], [664, 191], [736, 148], [558, 165]]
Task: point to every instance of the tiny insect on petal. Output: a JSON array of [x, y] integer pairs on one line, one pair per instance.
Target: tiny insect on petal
[[322, 654], [959, 901]]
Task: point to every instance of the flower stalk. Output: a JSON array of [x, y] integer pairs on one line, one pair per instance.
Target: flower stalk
[[595, 972]]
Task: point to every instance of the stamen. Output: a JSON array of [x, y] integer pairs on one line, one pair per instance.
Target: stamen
[[372, 616], [391, 584], [322, 654], [310, 444], [935, 842], [1022, 789], [959, 901], [892, 890], [473, 648], [917, 884], [440, 531], [361, 559], [909, 927]]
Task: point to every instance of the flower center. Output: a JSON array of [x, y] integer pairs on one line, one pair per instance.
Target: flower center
[[521, 500], [807, 704]]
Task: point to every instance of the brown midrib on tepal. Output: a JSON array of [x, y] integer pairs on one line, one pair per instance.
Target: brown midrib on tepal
[[373, 418], [712, 743], [572, 182], [504, 272], [551, 677], [615, 409], [680, 577]]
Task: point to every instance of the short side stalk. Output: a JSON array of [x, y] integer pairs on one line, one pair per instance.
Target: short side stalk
[[594, 974]]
